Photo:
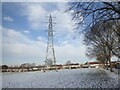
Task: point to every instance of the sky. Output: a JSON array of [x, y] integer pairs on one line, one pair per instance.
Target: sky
[[24, 35]]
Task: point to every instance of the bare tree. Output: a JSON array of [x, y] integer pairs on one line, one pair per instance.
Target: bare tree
[[49, 62], [102, 42], [102, 27], [93, 12], [68, 62]]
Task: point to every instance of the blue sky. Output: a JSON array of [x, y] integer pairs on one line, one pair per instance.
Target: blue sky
[[25, 36]]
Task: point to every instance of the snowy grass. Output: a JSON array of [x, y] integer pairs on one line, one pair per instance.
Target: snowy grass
[[78, 78]]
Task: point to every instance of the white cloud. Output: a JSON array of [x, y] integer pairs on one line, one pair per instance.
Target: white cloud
[[16, 45], [26, 31], [0, 44], [69, 51], [35, 14], [8, 18], [63, 21], [41, 39], [0, 34]]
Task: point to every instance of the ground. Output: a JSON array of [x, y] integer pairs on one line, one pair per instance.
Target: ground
[[77, 78]]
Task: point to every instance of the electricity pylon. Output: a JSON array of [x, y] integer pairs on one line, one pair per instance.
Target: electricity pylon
[[50, 51]]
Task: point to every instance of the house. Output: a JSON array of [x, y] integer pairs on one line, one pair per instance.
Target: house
[[17, 69], [93, 64], [72, 66], [4, 68], [54, 67], [58, 66]]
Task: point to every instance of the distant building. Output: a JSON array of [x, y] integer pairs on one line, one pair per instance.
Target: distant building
[[91, 65], [72, 66], [4, 68], [94, 64]]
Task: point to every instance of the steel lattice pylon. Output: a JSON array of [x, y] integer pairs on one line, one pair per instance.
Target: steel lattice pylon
[[50, 52]]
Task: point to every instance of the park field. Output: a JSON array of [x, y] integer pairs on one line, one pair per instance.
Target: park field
[[75, 78]]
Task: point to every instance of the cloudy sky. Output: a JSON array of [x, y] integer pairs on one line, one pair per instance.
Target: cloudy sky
[[24, 33]]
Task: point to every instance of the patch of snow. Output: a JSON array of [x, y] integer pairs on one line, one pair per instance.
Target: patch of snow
[[75, 78]]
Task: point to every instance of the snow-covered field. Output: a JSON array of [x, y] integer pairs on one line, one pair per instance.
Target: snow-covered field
[[78, 78]]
